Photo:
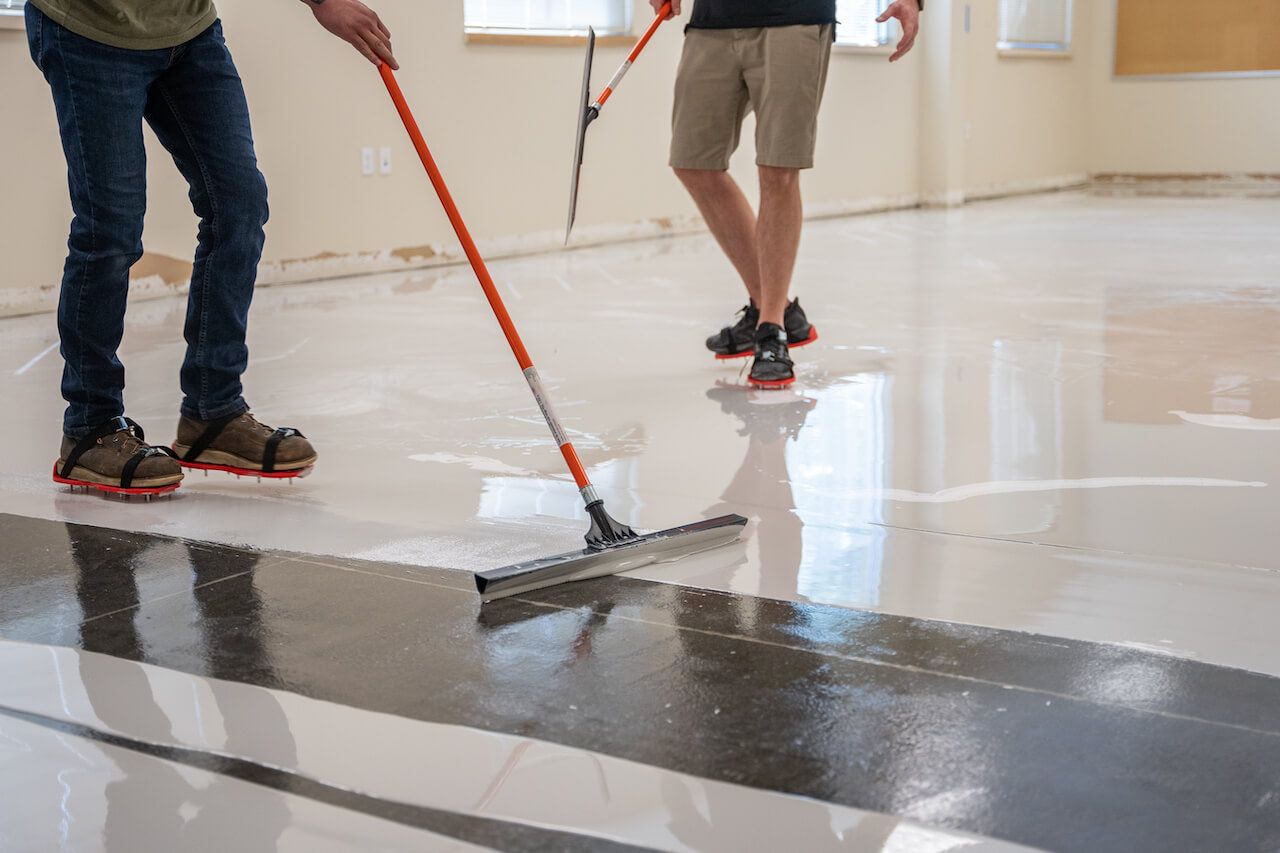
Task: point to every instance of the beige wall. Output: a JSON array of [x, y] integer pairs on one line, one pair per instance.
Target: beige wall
[[954, 118], [1023, 115], [499, 118], [1182, 126], [33, 208]]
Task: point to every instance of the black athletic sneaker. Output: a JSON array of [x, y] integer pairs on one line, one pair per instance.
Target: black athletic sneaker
[[773, 367], [800, 332], [739, 340]]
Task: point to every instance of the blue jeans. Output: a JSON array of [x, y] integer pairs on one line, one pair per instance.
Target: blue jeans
[[192, 98]]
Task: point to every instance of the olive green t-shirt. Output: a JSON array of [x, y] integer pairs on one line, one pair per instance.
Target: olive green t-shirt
[[133, 24]]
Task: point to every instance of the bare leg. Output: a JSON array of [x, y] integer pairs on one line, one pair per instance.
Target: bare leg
[[732, 221], [777, 239]]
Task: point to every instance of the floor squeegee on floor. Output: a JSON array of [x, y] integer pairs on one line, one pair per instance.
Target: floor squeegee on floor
[[611, 547], [589, 110]]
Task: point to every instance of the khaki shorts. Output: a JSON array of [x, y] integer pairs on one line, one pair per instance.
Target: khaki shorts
[[779, 72]]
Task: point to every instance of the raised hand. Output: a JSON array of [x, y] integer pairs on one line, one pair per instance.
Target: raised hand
[[908, 14]]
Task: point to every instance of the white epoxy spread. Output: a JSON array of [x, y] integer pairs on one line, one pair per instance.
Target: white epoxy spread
[[69, 793], [426, 764], [1010, 487], [1228, 421], [475, 463], [1049, 414], [36, 359]]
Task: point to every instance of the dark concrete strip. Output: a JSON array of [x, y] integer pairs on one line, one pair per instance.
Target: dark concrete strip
[[1097, 673], [1052, 743], [57, 577], [496, 834], [1092, 672]]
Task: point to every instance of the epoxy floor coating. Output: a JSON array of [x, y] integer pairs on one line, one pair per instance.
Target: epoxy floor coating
[[1058, 414], [621, 711], [1011, 569]]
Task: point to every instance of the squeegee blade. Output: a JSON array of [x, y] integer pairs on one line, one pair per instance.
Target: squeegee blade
[[662, 547], [584, 119]]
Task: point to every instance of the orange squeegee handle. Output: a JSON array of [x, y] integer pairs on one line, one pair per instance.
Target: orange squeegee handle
[[632, 57], [486, 282]]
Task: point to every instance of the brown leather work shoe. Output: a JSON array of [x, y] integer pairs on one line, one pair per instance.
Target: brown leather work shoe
[[239, 444], [116, 458]]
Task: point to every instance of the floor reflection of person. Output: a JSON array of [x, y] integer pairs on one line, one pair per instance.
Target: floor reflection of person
[[761, 489], [718, 817], [230, 624], [234, 632]]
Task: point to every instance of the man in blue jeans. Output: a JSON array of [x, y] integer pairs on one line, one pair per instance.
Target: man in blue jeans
[[113, 64]]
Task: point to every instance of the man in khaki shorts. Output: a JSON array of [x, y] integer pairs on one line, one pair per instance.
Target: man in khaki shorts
[[770, 57]]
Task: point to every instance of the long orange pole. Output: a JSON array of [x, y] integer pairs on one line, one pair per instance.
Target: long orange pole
[[632, 57], [486, 282]]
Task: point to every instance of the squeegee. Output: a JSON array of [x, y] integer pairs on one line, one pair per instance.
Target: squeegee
[[611, 546], [589, 110]]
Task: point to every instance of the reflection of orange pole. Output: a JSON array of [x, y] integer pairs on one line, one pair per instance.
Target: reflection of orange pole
[[632, 57], [486, 282]]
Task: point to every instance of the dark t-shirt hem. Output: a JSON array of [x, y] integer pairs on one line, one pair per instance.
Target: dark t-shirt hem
[[65, 18], [753, 23]]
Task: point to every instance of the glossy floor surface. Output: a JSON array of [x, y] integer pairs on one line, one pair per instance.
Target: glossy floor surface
[[622, 712], [415, 764], [1010, 576], [1058, 414]]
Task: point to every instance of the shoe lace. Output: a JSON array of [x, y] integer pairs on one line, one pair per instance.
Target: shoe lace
[[745, 318], [774, 349], [259, 425], [128, 441]]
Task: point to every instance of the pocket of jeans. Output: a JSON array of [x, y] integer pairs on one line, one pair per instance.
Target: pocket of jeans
[[35, 34]]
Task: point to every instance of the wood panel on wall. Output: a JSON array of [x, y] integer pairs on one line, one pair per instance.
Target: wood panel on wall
[[1197, 37]]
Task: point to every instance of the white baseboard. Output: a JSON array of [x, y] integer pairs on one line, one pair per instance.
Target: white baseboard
[[949, 198], [1055, 183], [36, 300], [861, 206]]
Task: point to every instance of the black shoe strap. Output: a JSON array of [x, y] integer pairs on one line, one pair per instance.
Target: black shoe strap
[[131, 467], [273, 445], [211, 432], [106, 428]]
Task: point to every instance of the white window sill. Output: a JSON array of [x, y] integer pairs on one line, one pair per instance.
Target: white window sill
[[1033, 53], [546, 39], [865, 50], [12, 22]]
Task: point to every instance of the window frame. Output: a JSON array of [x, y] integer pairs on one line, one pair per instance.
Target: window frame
[[13, 19], [892, 31], [1045, 49], [554, 36]]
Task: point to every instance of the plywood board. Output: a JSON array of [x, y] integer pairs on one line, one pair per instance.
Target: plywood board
[[1195, 37]]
